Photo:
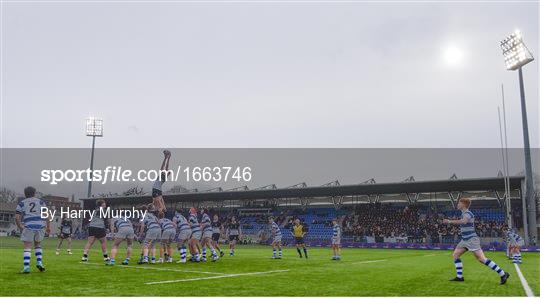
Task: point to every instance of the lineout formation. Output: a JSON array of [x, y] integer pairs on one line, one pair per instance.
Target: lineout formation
[[196, 233]]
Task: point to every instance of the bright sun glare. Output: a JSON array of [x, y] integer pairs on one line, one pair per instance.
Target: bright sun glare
[[453, 56]]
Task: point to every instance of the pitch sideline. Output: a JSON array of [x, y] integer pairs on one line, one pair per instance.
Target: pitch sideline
[[528, 290]]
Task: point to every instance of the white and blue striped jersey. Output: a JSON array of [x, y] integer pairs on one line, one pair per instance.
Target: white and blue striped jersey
[[513, 236], [122, 222], [194, 222], [467, 229], [181, 222], [30, 210], [206, 222], [166, 224], [151, 222], [276, 231], [336, 231]]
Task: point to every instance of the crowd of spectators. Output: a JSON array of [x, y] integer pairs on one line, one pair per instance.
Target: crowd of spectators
[[386, 220]]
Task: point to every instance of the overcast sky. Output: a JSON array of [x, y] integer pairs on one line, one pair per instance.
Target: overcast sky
[[264, 74]]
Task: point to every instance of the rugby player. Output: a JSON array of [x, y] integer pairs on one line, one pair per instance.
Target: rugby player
[[470, 242], [336, 240], [514, 243], [184, 233], [195, 235], [234, 232], [206, 242], [168, 234], [157, 188], [66, 230], [151, 225], [216, 233], [97, 230], [276, 235], [124, 231], [33, 230], [299, 231]]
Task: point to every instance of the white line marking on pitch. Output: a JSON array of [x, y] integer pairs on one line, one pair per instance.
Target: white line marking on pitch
[[524, 283], [214, 277], [367, 262], [159, 269]]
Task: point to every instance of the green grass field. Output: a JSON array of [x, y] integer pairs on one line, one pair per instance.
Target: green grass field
[[362, 272]]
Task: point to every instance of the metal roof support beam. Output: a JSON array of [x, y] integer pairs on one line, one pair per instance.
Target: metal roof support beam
[[412, 198], [454, 198]]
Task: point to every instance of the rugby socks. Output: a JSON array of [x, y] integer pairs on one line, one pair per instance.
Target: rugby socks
[[459, 268], [232, 252], [214, 253], [182, 251], [204, 253], [494, 267], [299, 252], [279, 253], [26, 258], [517, 258], [274, 252], [305, 252], [38, 252]]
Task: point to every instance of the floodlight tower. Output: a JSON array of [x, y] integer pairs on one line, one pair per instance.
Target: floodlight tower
[[516, 55], [94, 128]]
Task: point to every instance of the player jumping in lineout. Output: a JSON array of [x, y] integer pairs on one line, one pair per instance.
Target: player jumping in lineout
[[470, 242], [157, 188]]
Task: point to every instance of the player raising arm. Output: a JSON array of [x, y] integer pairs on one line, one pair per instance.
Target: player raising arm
[[157, 188], [470, 242], [34, 228]]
